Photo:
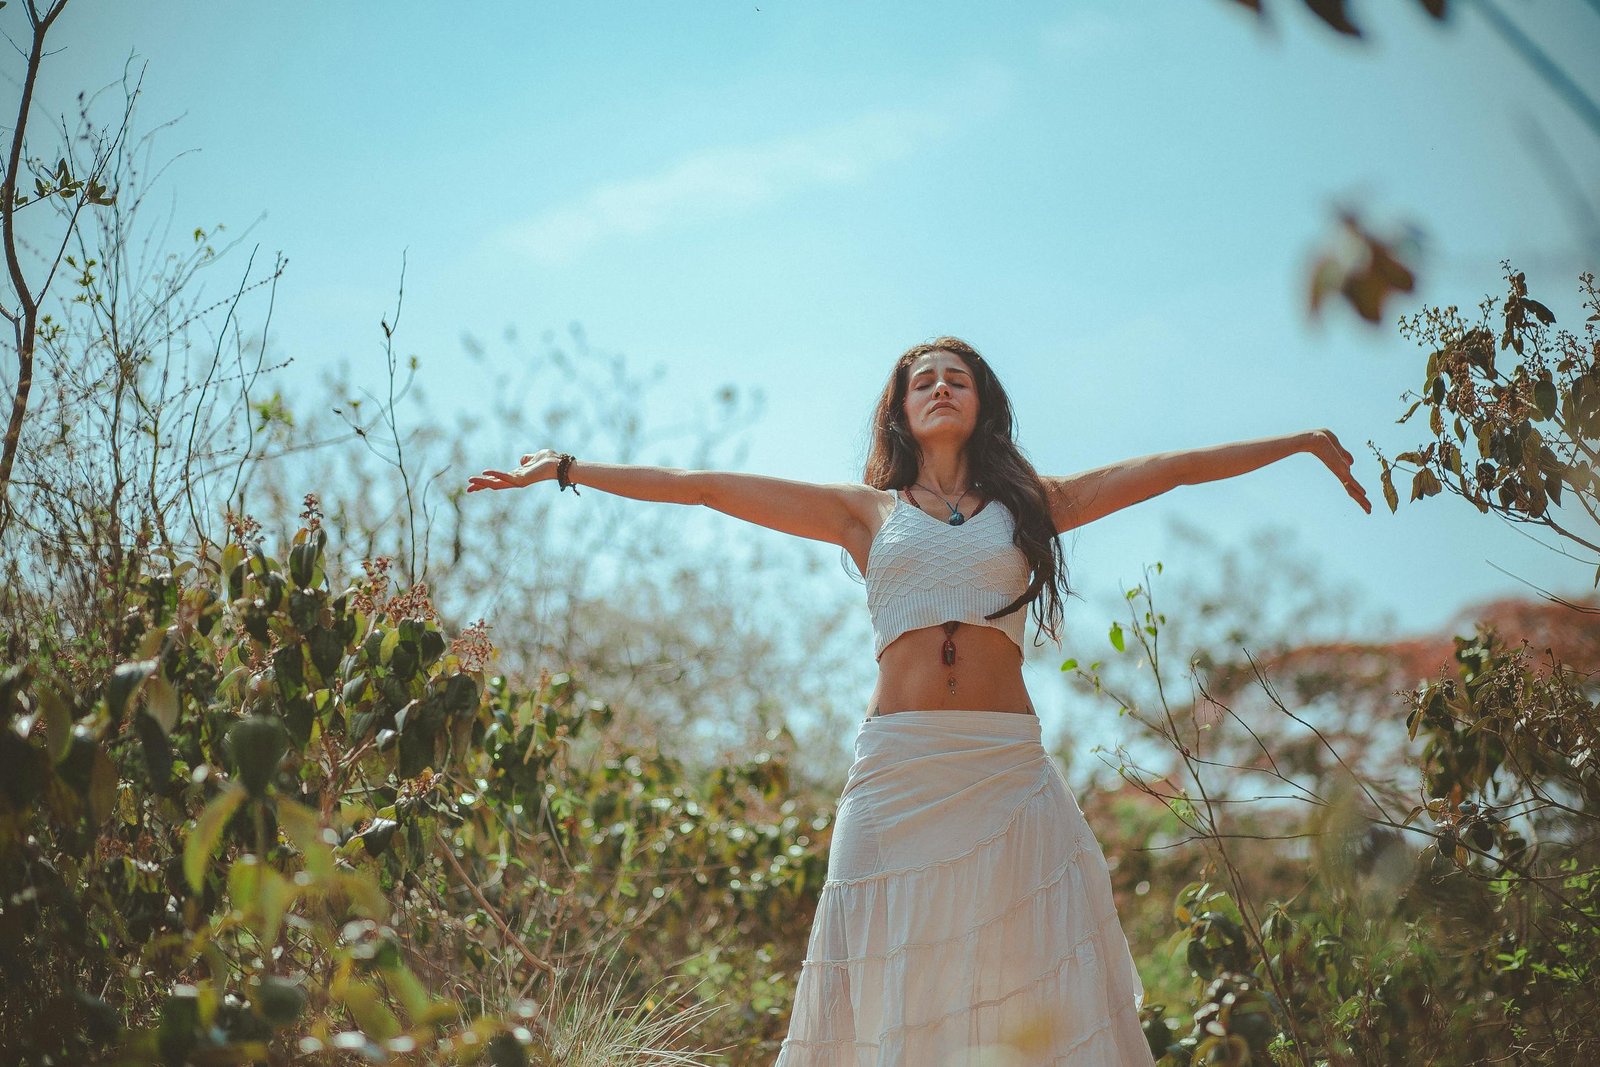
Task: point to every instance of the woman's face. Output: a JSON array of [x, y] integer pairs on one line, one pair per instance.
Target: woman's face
[[941, 399]]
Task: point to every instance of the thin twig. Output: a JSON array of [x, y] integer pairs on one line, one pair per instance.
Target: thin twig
[[517, 942]]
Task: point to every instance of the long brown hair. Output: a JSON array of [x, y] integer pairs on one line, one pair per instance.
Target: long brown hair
[[995, 465]]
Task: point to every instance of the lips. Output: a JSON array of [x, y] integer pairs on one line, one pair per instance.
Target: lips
[[942, 405]]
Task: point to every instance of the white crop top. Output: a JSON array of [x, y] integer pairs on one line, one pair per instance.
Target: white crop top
[[923, 572]]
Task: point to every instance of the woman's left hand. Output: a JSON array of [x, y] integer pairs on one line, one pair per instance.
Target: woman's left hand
[[1326, 447]]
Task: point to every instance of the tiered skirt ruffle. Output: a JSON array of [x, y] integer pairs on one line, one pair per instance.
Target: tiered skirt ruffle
[[967, 916]]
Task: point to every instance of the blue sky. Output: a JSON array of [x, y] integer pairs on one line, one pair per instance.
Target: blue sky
[[1116, 202]]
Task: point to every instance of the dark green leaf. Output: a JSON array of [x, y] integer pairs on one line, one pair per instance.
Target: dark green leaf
[[125, 682], [504, 1049], [279, 1000], [1544, 398], [180, 1019], [255, 745], [157, 750], [460, 695]]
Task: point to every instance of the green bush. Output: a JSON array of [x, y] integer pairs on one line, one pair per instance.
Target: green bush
[[294, 822]]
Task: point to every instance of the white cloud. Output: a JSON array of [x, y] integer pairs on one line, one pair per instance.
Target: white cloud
[[717, 182]]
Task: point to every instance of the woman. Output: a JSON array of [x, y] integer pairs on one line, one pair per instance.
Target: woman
[[967, 907]]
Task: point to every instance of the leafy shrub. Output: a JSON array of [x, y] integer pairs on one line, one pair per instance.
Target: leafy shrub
[[299, 821]]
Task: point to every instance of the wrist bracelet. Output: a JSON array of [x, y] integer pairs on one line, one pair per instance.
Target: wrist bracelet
[[562, 466]]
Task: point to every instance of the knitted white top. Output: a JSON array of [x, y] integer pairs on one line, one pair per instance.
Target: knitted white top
[[923, 572]]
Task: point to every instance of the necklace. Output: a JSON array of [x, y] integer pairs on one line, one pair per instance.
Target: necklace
[[956, 518], [947, 651]]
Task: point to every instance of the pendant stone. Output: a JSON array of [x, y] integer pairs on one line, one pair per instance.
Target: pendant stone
[[956, 518]]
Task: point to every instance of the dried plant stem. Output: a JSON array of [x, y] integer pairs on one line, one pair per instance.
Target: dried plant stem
[[489, 909]]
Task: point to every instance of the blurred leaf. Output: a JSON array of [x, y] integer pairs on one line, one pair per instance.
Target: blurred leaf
[[504, 1049], [1364, 269], [208, 831], [180, 1019], [421, 1009], [263, 894], [256, 744], [367, 1008], [1333, 13], [161, 701], [125, 682], [102, 793], [301, 825], [279, 1000], [364, 893], [58, 722], [157, 750]]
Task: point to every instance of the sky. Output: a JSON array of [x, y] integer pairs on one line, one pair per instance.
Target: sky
[[1116, 203]]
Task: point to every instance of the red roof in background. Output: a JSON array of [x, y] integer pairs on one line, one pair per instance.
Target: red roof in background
[[1570, 631]]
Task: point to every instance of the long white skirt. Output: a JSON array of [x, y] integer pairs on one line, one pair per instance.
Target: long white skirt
[[967, 916]]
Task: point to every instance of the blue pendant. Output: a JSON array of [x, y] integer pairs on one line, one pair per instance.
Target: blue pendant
[[956, 518]]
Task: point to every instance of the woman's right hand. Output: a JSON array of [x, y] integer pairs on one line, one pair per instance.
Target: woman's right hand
[[537, 466]]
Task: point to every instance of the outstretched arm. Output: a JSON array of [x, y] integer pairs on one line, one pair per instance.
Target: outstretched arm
[[666, 485], [834, 513], [1077, 499]]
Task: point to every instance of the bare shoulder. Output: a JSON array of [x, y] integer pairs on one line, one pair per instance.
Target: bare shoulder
[[836, 512]]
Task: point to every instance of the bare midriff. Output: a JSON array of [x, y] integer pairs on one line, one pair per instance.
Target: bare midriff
[[912, 674]]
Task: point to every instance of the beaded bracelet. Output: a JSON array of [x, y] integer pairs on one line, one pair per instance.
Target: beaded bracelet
[[562, 466]]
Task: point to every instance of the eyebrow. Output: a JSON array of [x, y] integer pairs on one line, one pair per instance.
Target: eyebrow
[[953, 370]]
